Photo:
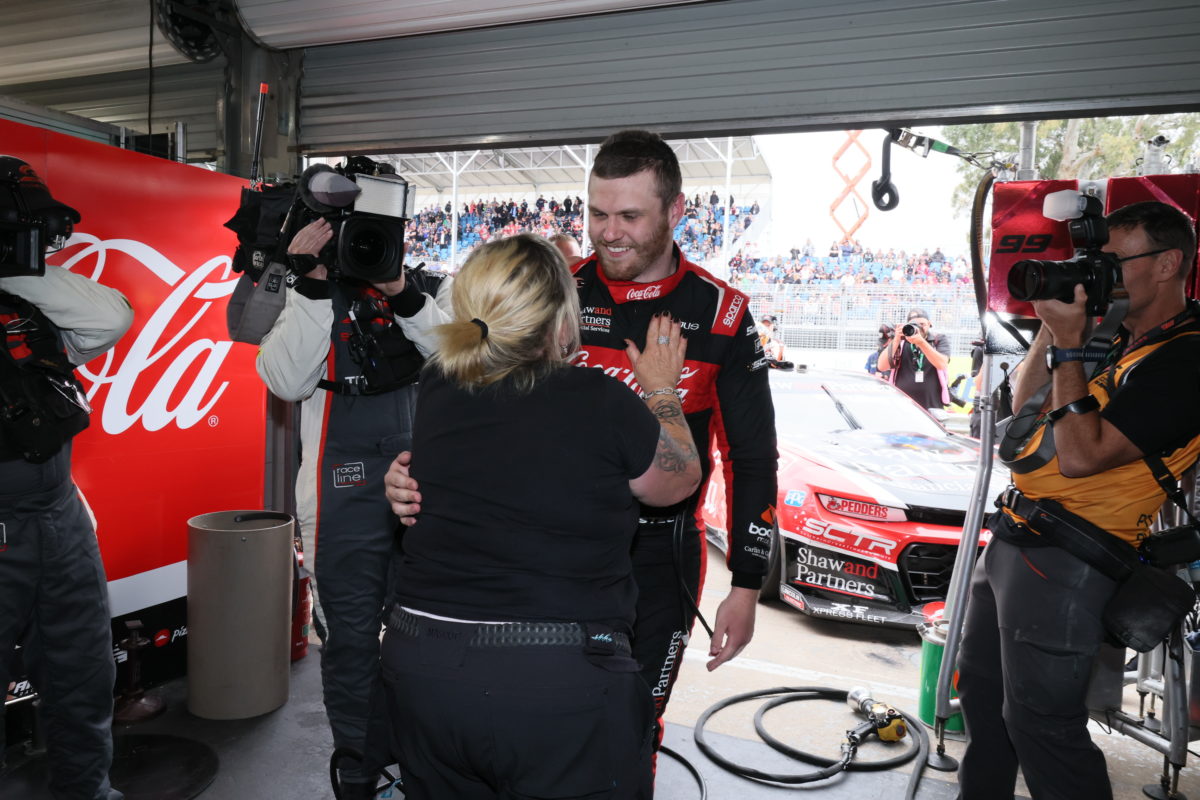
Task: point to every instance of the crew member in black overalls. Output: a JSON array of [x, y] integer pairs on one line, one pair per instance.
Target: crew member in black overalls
[[53, 592], [351, 353]]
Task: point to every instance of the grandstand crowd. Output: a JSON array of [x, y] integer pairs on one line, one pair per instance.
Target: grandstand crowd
[[699, 234], [846, 263], [428, 237]]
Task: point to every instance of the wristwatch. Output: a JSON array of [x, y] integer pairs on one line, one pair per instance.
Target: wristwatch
[[1059, 355]]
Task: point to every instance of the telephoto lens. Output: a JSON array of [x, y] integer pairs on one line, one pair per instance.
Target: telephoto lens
[[909, 329], [1045, 280]]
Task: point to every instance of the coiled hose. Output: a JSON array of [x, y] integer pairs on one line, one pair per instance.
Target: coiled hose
[[918, 748]]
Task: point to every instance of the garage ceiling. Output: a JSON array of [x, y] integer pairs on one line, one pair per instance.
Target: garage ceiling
[[49, 40], [752, 66], [571, 71], [306, 23]]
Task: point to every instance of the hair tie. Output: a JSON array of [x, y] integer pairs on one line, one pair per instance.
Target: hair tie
[[483, 328]]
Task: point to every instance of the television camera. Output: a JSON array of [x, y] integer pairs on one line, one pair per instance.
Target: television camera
[[31, 221], [366, 202]]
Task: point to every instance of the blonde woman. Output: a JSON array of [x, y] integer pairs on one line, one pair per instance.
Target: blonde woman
[[507, 659]]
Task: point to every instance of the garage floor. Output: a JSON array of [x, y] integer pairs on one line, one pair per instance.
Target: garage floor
[[285, 754]]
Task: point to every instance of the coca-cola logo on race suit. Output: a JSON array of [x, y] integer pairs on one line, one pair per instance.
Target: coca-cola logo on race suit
[[626, 374], [646, 293], [162, 343]]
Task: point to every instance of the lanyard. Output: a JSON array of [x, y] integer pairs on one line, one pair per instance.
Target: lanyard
[[1158, 330], [1114, 356], [918, 357]]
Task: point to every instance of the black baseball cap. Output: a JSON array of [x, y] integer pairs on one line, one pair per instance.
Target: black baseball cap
[[915, 313], [31, 198]]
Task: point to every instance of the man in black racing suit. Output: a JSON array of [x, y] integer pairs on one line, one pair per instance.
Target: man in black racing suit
[[634, 202]]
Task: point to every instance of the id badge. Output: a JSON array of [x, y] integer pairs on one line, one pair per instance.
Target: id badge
[[919, 377]]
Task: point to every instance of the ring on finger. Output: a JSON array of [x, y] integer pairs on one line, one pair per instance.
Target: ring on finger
[[664, 340]]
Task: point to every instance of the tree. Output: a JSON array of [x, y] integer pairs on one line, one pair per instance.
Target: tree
[[1084, 149]]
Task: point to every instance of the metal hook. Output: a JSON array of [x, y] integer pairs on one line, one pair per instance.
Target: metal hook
[[883, 192]]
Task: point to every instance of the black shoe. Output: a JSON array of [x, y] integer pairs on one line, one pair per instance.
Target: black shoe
[[356, 790]]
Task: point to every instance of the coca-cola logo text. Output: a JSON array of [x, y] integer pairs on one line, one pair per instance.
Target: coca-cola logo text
[[126, 368], [626, 375], [644, 293]]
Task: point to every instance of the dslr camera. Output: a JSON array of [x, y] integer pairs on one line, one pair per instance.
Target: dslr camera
[[1099, 272], [366, 203], [31, 221]]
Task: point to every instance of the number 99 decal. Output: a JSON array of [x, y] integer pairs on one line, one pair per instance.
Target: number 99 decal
[[1020, 243]]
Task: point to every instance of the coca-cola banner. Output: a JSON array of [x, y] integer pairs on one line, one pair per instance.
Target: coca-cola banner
[[178, 425]]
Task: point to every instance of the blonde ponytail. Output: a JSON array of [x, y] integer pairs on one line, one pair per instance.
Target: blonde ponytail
[[514, 301]]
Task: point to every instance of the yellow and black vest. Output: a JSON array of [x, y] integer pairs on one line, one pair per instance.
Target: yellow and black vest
[[1124, 500]]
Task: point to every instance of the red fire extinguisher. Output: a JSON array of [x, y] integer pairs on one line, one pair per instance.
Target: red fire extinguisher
[[301, 609]]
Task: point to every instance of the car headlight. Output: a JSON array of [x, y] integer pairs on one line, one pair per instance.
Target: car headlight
[[862, 509]]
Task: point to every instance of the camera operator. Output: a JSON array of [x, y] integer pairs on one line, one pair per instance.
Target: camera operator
[[886, 333], [917, 360], [351, 352], [1033, 625], [53, 591]]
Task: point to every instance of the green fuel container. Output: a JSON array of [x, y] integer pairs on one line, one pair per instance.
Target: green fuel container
[[933, 645]]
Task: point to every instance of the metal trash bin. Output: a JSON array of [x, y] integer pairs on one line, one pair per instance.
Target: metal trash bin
[[239, 606], [933, 645]]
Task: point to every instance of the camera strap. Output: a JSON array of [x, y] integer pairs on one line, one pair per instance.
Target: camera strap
[[1169, 485], [1019, 429]]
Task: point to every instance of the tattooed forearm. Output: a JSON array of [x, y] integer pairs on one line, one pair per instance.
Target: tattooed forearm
[[672, 455], [668, 410], [676, 450]]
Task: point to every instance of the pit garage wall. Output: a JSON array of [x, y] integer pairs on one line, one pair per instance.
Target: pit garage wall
[[751, 66], [178, 421]]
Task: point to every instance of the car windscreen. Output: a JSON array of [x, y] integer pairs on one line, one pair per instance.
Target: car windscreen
[[806, 407]]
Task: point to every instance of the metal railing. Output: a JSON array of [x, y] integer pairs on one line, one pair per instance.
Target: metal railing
[[847, 318]]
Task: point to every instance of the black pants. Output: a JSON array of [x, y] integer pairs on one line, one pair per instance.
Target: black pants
[[476, 723], [664, 619], [1031, 636], [54, 594], [354, 555]]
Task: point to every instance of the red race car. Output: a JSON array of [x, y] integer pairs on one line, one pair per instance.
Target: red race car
[[872, 496]]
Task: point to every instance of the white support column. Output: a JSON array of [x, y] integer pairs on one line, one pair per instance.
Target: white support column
[[586, 166], [586, 246], [454, 216], [722, 270], [455, 171]]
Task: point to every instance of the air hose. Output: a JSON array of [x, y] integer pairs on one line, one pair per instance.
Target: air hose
[[881, 723], [690, 767]]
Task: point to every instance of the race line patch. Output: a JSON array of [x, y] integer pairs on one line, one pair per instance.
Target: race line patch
[[348, 475]]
